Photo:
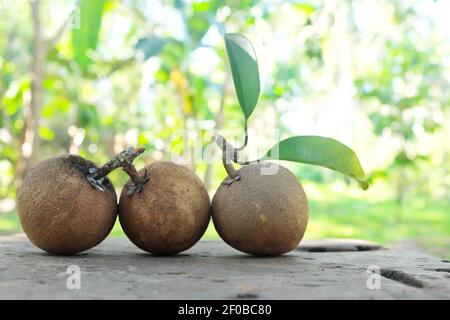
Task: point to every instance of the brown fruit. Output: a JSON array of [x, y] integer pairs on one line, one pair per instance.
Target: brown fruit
[[263, 215], [170, 214], [60, 211]]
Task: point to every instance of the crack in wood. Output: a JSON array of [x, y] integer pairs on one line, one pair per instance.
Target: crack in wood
[[402, 277]]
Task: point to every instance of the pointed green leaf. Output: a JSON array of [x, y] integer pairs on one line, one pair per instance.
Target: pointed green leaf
[[320, 151], [85, 36], [244, 68]]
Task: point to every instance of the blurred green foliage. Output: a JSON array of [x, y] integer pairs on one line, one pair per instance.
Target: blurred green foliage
[[411, 94], [374, 74]]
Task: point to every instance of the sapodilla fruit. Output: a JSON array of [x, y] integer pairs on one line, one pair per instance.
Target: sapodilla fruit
[[261, 214], [169, 213], [60, 211]]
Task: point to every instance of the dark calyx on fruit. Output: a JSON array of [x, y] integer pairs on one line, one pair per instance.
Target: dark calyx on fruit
[[263, 215], [60, 211], [171, 212]]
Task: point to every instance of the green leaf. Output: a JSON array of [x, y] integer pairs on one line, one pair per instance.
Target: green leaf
[[87, 115], [150, 46], [46, 133], [320, 151], [304, 7], [85, 38], [244, 68]]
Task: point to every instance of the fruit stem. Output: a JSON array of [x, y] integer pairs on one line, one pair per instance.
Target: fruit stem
[[137, 181], [245, 140], [122, 160], [228, 153], [232, 152]]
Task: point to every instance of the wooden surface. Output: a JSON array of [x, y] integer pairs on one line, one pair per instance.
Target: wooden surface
[[334, 269]]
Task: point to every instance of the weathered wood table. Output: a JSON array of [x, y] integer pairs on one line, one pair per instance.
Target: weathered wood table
[[212, 270]]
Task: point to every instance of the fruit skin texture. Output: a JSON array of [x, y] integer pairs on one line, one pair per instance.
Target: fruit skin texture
[[170, 214], [59, 210], [263, 215]]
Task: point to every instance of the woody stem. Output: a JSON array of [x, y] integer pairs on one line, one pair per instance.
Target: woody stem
[[227, 156], [132, 172], [122, 160]]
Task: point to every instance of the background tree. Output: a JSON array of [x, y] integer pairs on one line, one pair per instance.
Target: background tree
[[373, 74]]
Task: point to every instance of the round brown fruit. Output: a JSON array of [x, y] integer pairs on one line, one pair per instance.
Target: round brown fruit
[[171, 212], [60, 211], [263, 215]]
